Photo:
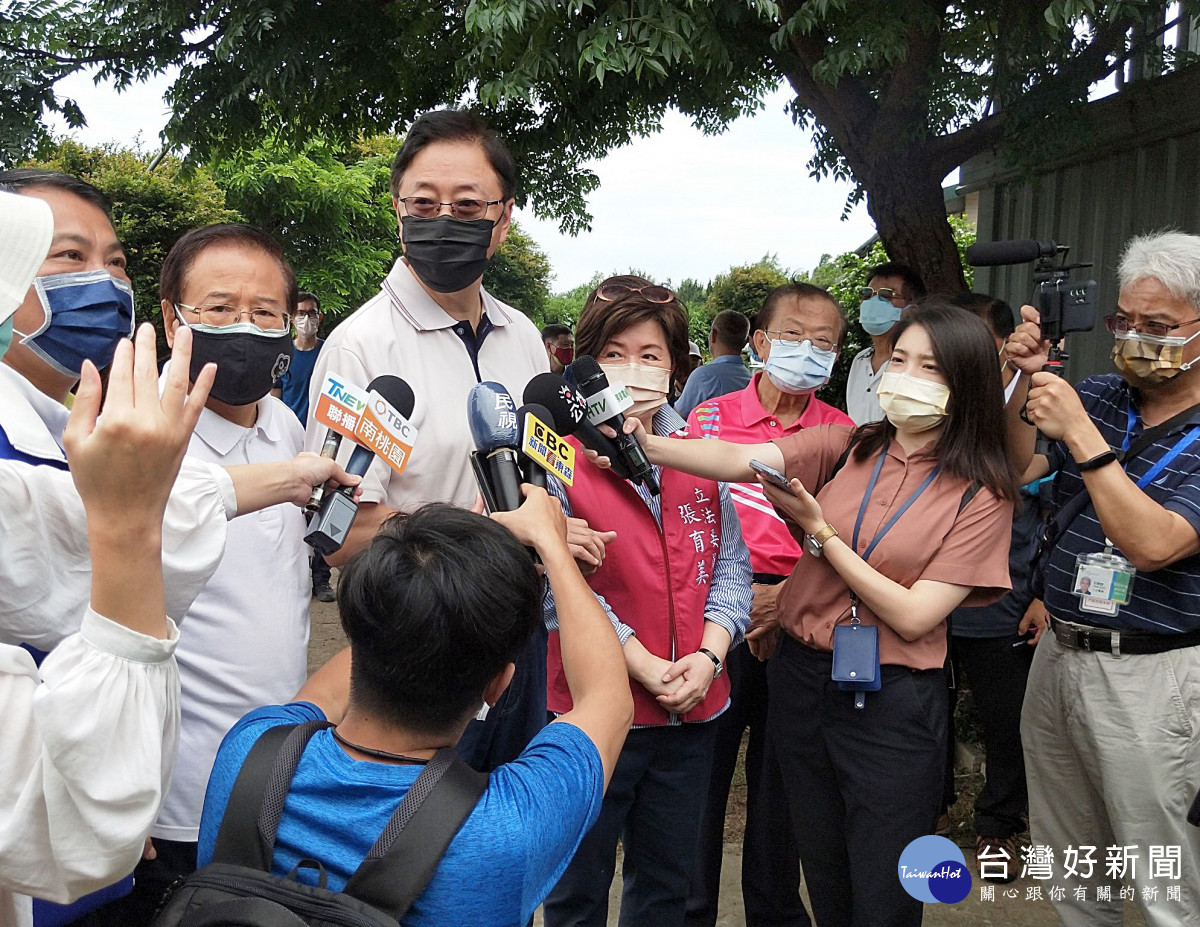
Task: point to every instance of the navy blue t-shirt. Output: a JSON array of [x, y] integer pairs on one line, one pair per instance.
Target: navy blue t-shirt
[[295, 382], [501, 865], [1166, 601]]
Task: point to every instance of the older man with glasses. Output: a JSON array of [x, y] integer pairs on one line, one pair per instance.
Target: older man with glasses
[[244, 641]]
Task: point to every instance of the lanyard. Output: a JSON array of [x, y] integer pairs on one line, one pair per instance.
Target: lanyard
[[1178, 448], [862, 508]]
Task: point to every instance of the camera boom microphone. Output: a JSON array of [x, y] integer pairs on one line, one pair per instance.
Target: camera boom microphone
[[1021, 251]]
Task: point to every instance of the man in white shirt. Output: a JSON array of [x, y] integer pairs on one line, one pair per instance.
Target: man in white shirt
[[891, 288], [244, 641], [434, 324]]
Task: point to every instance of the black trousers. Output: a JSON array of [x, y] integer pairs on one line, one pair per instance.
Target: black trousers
[[861, 783], [151, 880], [996, 668], [770, 864]]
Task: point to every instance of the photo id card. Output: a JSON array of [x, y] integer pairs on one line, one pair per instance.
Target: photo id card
[[1103, 582]]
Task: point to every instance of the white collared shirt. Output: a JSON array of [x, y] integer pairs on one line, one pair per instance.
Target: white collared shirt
[[244, 642], [862, 385], [403, 332]]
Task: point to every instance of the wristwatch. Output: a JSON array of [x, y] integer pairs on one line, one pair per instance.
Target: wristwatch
[[815, 543], [720, 667]]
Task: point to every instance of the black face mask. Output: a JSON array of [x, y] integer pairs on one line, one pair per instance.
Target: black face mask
[[447, 254], [249, 360]]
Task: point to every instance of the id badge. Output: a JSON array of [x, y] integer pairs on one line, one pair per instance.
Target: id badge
[[1103, 582], [856, 660]]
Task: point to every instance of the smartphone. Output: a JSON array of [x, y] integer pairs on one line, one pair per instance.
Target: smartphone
[[772, 475]]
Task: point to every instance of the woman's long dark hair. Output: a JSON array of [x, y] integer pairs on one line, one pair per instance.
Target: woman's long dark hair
[[974, 438]]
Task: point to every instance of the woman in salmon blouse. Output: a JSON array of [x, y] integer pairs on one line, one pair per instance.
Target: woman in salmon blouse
[[901, 521]]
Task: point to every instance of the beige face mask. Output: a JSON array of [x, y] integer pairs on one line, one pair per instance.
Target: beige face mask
[[1146, 360], [647, 385], [911, 403]]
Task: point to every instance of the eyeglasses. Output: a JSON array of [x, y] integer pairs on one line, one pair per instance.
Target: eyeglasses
[[866, 292], [611, 292], [266, 319], [422, 207], [791, 336], [1119, 325]]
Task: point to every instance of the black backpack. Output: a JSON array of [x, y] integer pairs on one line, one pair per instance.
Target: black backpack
[[237, 888]]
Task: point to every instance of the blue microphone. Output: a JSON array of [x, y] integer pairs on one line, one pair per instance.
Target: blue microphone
[[496, 461]]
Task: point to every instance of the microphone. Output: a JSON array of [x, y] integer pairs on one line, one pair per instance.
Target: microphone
[[383, 431], [339, 407], [492, 419], [605, 406], [531, 472], [568, 411], [1022, 251]]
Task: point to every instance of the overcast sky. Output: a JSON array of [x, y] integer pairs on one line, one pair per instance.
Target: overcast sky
[[678, 204]]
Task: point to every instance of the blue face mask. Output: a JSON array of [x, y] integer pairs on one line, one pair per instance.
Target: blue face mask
[[87, 314], [6, 335], [877, 315], [799, 367]]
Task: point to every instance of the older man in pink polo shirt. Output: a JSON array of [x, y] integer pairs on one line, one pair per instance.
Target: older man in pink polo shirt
[[797, 334]]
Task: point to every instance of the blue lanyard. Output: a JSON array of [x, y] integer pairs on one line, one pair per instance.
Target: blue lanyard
[[1178, 448], [862, 508]]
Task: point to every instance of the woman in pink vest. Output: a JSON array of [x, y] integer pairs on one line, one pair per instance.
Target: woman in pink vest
[[901, 522], [677, 585]]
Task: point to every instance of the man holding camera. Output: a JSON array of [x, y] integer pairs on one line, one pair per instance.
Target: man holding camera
[[1113, 702]]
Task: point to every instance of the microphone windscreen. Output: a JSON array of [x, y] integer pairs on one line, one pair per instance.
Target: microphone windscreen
[[587, 373], [396, 391], [1022, 251], [491, 416], [566, 407]]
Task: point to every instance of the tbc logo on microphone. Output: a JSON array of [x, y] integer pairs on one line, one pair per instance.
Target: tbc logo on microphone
[[933, 869]]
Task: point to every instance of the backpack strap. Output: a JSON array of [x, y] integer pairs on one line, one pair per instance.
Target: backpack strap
[[407, 853], [969, 494], [247, 833]]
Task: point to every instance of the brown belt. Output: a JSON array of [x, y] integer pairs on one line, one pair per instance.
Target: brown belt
[[1106, 640]]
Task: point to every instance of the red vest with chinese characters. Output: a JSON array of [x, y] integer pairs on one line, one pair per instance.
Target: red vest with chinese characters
[[656, 581]]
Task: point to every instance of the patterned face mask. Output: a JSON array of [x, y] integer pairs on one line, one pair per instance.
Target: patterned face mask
[[1148, 360]]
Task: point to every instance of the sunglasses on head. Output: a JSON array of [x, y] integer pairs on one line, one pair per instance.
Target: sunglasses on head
[[611, 292]]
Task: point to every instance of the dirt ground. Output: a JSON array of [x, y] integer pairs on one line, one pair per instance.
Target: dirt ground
[[1015, 911]]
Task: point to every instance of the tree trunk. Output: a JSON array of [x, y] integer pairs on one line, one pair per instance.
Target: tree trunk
[[909, 211]]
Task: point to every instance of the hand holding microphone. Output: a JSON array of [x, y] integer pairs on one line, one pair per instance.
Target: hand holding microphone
[[606, 406]]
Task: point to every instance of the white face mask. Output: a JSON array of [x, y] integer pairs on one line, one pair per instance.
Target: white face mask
[[647, 385], [911, 403], [306, 325]]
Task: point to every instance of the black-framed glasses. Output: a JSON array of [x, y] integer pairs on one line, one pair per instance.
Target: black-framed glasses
[[423, 207], [866, 292], [652, 293], [791, 336], [1119, 325], [266, 319]]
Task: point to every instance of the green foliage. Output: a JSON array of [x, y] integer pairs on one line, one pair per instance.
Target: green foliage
[[328, 205], [744, 289], [565, 307], [151, 208], [519, 274]]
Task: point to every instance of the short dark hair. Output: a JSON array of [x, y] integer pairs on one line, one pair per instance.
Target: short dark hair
[[555, 330], [184, 252], [973, 441], [23, 178], [996, 313], [731, 328], [456, 125], [306, 296], [911, 278], [798, 290], [601, 321], [438, 604]]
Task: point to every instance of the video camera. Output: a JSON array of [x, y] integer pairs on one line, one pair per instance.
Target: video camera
[[1063, 306]]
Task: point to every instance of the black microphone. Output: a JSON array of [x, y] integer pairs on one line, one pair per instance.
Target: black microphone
[[531, 472], [1021, 251], [569, 414], [492, 418], [328, 530], [603, 410]]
